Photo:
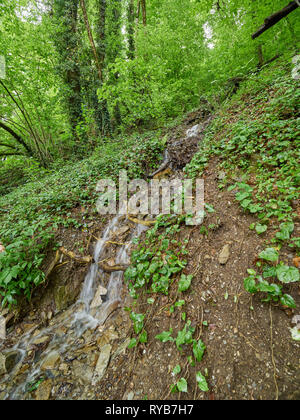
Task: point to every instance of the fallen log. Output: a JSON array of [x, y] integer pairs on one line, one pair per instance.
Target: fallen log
[[276, 17]]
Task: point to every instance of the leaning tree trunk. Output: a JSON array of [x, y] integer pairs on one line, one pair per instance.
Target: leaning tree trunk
[[276, 17]]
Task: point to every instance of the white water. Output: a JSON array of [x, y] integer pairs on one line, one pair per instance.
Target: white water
[[78, 318]]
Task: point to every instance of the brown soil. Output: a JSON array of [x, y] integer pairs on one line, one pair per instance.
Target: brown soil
[[250, 353]]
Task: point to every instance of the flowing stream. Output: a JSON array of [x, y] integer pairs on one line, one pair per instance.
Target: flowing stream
[[67, 327]]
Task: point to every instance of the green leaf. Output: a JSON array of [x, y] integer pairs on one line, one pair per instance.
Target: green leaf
[[287, 300], [185, 336], [184, 283], [143, 337], [261, 228], [150, 301], [165, 336], [182, 385], [176, 370], [201, 381], [133, 343], [269, 254], [138, 322], [198, 350], [287, 274], [250, 284]]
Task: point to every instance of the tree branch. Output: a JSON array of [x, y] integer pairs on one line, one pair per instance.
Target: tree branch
[[275, 18], [16, 136]]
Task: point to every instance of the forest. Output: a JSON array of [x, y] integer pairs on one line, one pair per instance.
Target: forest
[[138, 306]]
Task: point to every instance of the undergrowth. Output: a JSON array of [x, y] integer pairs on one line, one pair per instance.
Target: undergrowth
[[30, 215]]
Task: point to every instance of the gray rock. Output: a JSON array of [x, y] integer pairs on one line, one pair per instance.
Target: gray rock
[[102, 361]]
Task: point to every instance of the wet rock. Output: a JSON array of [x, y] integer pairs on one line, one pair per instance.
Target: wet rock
[[30, 326], [8, 361], [122, 230], [108, 336], [44, 390], [102, 361], [224, 255], [97, 301], [81, 372], [50, 361], [41, 340]]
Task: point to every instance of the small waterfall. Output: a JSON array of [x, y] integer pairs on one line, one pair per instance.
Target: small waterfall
[[79, 317]]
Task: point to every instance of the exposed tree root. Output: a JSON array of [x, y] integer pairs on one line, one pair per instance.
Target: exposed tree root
[[112, 268], [82, 260], [141, 222]]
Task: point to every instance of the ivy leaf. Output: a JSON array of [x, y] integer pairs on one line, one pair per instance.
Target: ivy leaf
[[185, 336], [176, 370], [201, 381], [165, 336], [138, 322], [133, 343], [198, 350], [260, 228], [269, 254], [287, 274], [250, 284], [182, 385], [184, 283], [143, 337], [287, 300]]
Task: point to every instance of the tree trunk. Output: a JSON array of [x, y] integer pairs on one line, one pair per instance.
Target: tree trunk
[[130, 30], [91, 39], [275, 18], [102, 114], [67, 44], [144, 12]]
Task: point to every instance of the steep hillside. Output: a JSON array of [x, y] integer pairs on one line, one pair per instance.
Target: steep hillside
[[203, 312]]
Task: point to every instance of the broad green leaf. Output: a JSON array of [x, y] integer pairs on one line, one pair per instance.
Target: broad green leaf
[[269, 254], [201, 381], [182, 385], [287, 300], [165, 336], [176, 370], [184, 283], [287, 274]]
